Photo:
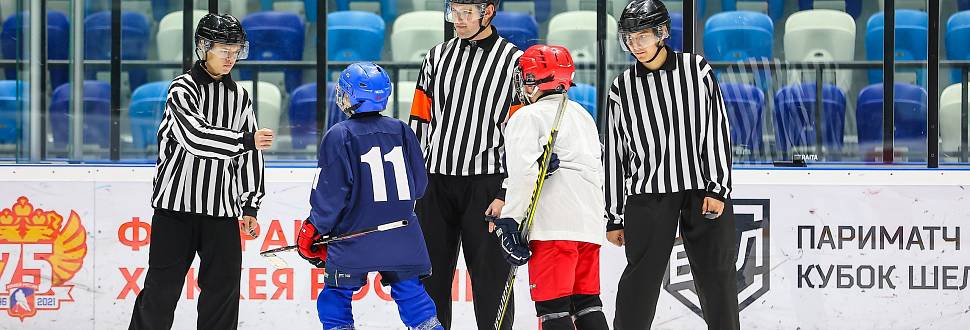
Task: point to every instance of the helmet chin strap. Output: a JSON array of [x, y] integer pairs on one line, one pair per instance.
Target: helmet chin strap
[[660, 47], [206, 68], [481, 28]]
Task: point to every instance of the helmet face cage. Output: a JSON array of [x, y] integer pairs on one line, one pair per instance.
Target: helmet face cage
[[451, 16], [342, 98], [518, 81], [205, 45]]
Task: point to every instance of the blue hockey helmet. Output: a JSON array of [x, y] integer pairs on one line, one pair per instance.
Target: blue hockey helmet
[[363, 87]]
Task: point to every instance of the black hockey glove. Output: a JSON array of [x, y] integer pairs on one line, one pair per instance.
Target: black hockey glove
[[516, 252], [553, 163]]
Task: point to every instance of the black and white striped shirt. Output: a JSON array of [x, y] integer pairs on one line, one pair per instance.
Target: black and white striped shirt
[[462, 99], [667, 131], [207, 158]]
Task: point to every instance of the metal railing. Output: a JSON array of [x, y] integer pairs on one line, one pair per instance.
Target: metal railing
[[601, 67], [772, 67]]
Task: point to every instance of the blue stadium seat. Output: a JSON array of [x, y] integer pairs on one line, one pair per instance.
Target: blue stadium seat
[[303, 114], [542, 8], [677, 31], [776, 8], [97, 103], [275, 36], [795, 116], [909, 116], [957, 37], [310, 7], [160, 8], [354, 36], [519, 28], [852, 7], [911, 30], [134, 42], [738, 35], [57, 39], [585, 95], [745, 106], [13, 94], [388, 8], [146, 111], [676, 5]]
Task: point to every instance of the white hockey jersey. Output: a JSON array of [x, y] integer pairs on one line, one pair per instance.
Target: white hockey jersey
[[571, 206]]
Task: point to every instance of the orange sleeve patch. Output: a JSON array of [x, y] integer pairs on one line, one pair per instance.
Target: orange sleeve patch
[[421, 106], [513, 108]]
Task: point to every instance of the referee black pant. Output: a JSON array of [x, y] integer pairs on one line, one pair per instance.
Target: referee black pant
[[452, 213], [176, 238], [650, 228]]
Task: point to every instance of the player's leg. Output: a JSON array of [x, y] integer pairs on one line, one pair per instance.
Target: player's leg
[[482, 252], [413, 303], [551, 281], [649, 230], [586, 303], [554, 314], [334, 301], [220, 259], [588, 311], [438, 217], [169, 257], [333, 307], [712, 250]]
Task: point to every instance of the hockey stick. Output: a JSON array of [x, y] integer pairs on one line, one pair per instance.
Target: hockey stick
[[526, 226], [275, 260]]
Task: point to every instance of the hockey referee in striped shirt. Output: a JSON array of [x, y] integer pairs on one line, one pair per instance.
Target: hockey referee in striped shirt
[[209, 173], [668, 161], [462, 101]]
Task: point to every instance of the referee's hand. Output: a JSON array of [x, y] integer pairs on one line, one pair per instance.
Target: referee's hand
[[712, 208], [616, 237], [264, 139], [249, 225]]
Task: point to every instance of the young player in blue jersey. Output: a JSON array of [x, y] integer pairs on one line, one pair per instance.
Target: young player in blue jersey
[[371, 173]]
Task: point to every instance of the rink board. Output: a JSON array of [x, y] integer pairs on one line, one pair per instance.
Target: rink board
[[832, 249]]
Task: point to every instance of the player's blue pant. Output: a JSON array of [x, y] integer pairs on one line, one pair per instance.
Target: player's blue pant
[[413, 303]]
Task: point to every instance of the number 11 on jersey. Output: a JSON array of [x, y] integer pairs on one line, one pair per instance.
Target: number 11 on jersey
[[376, 163]]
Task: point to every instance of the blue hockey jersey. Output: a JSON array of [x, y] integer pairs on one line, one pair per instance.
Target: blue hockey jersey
[[371, 173]]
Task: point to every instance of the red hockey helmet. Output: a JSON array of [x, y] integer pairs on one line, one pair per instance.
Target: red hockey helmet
[[549, 68]]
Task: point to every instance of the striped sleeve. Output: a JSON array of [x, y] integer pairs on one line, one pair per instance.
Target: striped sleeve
[[716, 148], [191, 130], [421, 104], [249, 169], [613, 160]]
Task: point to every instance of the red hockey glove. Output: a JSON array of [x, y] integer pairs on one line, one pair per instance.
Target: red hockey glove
[[316, 255]]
